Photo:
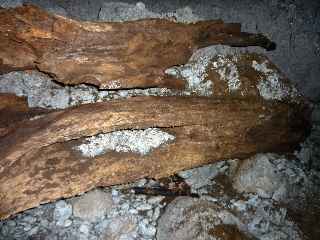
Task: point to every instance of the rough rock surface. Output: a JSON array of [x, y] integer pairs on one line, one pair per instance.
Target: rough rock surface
[[92, 206], [10, 3], [270, 176], [128, 217], [62, 213], [113, 11], [187, 218]]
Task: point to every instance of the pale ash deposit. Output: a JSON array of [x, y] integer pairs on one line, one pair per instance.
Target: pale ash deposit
[[271, 86], [136, 141]]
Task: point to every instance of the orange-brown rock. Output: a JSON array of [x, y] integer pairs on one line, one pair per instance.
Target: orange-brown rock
[[109, 55], [39, 161]]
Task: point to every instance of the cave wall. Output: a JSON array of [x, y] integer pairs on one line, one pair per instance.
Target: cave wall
[[293, 25]]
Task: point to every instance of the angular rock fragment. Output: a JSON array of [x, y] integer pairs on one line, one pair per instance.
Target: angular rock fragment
[[92, 206], [189, 218], [270, 176], [109, 55], [40, 161]]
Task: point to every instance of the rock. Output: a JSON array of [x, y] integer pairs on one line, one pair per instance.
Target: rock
[[155, 200], [29, 219], [156, 214], [121, 227], [187, 218], [37, 87], [144, 207], [67, 223], [147, 230], [62, 212], [10, 3], [93, 205], [84, 228], [41, 91], [270, 176], [202, 176], [119, 12], [227, 232]]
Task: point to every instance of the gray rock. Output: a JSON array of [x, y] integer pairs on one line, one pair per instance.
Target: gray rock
[[62, 212], [93, 205], [67, 223], [29, 219], [118, 11], [10, 3], [37, 87], [84, 228], [121, 227], [155, 200], [144, 207], [33, 231], [202, 176], [187, 218], [147, 230], [42, 91], [270, 176]]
